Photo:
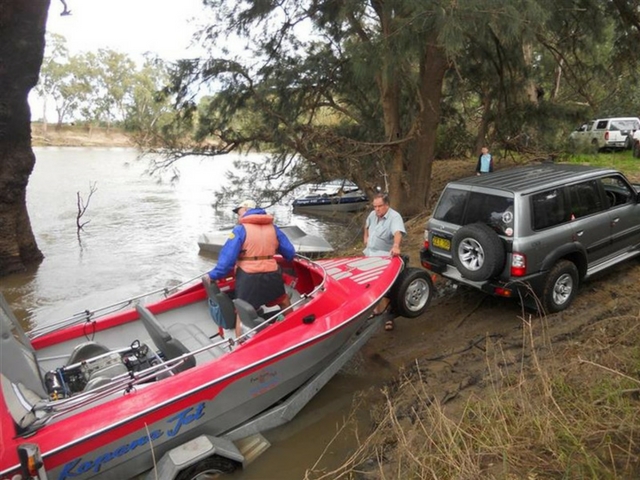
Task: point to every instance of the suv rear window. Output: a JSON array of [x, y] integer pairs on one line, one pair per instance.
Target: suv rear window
[[492, 210]]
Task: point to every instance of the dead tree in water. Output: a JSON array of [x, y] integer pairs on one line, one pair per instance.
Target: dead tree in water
[[82, 207]]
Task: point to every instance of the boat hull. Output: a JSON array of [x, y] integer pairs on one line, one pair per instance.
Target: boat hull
[[330, 204], [211, 410]]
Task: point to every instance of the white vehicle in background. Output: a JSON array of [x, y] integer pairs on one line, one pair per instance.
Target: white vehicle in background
[[605, 133]]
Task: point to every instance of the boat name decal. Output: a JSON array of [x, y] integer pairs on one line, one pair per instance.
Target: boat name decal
[[77, 467], [266, 380]]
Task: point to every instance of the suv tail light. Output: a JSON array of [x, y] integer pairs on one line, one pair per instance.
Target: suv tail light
[[426, 244], [518, 265], [606, 135]]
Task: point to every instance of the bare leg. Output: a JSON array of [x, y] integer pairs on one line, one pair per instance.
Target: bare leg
[[285, 303], [238, 327], [381, 306]]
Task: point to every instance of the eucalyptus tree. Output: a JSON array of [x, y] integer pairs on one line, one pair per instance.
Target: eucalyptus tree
[[147, 110], [73, 88], [52, 71], [114, 78]]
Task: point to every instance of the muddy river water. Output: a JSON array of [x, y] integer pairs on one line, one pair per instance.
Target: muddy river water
[[141, 235]]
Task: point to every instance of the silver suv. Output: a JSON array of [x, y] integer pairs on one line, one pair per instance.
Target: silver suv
[[534, 232], [605, 133]]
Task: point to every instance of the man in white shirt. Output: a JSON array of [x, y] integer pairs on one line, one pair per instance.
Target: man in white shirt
[[383, 233]]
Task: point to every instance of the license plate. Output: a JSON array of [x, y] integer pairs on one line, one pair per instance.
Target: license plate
[[441, 243]]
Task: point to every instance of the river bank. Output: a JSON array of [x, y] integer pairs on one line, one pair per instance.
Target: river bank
[[77, 136]]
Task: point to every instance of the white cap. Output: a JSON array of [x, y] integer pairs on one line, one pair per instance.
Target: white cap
[[248, 204]]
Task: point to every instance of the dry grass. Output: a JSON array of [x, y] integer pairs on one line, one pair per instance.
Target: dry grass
[[570, 411]]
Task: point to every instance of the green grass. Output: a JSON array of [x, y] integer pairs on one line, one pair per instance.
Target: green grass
[[623, 161]]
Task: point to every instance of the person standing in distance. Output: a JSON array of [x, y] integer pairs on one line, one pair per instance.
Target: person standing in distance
[[485, 162], [383, 233], [251, 246]]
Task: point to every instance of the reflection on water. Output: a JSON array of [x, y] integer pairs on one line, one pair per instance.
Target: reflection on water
[[141, 236]]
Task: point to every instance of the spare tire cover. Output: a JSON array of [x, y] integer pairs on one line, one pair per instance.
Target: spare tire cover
[[478, 252]]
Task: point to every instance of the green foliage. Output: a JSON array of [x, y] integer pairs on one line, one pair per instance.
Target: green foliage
[[379, 89], [104, 87]]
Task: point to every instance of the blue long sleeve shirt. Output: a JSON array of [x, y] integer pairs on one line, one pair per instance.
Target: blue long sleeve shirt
[[230, 251]]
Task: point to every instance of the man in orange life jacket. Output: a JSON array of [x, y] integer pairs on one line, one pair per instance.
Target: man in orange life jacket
[[251, 247]]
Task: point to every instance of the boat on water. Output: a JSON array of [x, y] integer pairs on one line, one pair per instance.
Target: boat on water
[[337, 196], [153, 386], [304, 243]]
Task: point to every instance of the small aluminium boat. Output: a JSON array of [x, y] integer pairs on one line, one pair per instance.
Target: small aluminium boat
[[156, 386], [338, 196], [305, 244]]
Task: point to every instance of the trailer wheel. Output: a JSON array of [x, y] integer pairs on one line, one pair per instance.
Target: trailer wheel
[[208, 468], [411, 293]]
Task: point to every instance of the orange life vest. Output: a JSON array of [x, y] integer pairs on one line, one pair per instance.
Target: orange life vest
[[259, 246]]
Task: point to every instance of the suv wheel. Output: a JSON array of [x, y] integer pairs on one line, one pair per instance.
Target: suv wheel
[[411, 293], [478, 252], [560, 287]]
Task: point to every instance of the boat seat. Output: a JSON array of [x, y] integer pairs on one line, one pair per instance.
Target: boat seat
[[210, 287], [220, 305], [20, 380], [170, 347], [248, 315], [193, 338], [17, 356]]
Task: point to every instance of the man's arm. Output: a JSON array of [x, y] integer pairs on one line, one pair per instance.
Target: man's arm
[[397, 240], [229, 253], [285, 247], [399, 231]]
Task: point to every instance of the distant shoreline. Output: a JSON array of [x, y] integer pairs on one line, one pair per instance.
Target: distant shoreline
[[78, 136]]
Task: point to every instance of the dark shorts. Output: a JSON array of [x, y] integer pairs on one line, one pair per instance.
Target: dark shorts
[[259, 288]]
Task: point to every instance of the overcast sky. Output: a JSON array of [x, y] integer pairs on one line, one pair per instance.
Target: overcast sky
[[164, 27]]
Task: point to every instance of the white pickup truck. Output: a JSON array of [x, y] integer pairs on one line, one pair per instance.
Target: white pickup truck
[[605, 133]]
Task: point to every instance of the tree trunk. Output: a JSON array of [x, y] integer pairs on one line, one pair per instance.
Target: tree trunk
[[389, 88], [417, 179], [22, 29], [483, 129], [531, 91]]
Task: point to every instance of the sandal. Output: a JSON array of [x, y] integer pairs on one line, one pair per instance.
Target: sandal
[[388, 326]]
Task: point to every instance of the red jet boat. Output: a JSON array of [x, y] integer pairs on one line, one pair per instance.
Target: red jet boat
[[156, 386]]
